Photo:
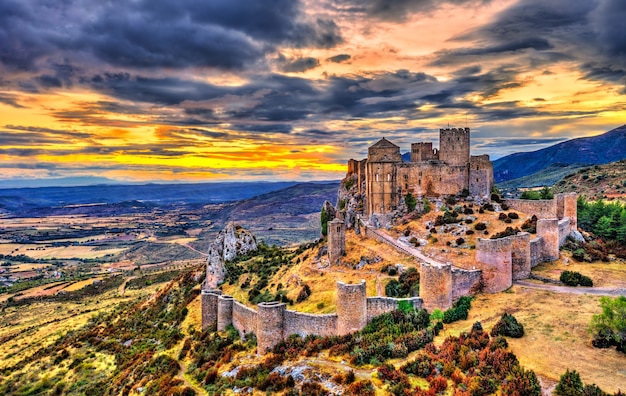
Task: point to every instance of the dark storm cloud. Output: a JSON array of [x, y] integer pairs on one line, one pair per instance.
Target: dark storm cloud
[[276, 128], [395, 10], [10, 100], [589, 33], [300, 65], [151, 34], [339, 58]]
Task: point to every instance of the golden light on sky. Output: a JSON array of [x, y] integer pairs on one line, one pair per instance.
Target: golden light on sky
[[291, 89]]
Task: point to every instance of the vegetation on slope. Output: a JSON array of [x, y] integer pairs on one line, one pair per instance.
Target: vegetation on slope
[[595, 182]]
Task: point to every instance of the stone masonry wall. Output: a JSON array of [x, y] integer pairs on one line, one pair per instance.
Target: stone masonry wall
[[270, 325], [543, 209], [244, 319], [465, 282], [351, 307], [520, 255], [306, 324], [209, 307], [380, 305], [224, 312], [480, 175], [493, 257], [548, 230], [436, 286], [564, 230], [536, 252]]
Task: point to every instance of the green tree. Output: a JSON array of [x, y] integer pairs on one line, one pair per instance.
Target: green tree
[[546, 193], [410, 201], [324, 218], [534, 195], [570, 384], [612, 320]]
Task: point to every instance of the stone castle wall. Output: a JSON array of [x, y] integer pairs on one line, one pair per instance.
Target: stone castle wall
[[244, 319], [209, 307], [436, 286], [548, 231], [493, 257], [272, 322], [431, 178], [336, 240], [465, 282], [379, 305], [305, 324], [480, 175], [536, 252], [423, 151], [543, 208], [520, 255], [564, 230]]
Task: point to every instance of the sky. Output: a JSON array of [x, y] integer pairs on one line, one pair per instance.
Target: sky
[[212, 90]]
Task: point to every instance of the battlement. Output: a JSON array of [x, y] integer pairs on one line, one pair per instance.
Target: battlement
[[455, 130], [423, 151]]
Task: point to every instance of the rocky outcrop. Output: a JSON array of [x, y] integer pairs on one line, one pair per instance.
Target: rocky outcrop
[[349, 200], [230, 243]]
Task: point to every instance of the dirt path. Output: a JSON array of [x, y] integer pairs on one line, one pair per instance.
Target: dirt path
[[204, 254], [600, 291], [122, 288]]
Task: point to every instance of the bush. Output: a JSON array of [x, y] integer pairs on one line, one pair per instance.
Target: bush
[[522, 382], [459, 311], [513, 215], [480, 226], [502, 216], [410, 201], [530, 225], [609, 327], [460, 241], [305, 292], [573, 278], [570, 384], [508, 326]]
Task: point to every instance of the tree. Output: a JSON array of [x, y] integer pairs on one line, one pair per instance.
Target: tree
[[534, 195], [611, 323], [570, 384], [410, 201], [546, 193], [324, 218]]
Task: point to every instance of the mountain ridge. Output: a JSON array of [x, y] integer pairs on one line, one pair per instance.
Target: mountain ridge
[[594, 150]]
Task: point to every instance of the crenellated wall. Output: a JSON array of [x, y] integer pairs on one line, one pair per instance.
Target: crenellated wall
[[493, 257]]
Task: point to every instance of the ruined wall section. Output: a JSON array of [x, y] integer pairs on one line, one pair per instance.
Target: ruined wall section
[[493, 257], [351, 307], [379, 305], [543, 208], [520, 255], [244, 319], [306, 324], [209, 307], [480, 176], [270, 325], [436, 286], [454, 146], [567, 208], [465, 282], [381, 188]]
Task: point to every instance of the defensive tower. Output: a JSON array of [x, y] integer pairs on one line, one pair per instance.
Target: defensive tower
[[336, 240]]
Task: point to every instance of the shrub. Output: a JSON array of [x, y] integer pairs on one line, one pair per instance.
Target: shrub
[[509, 231], [609, 327], [530, 225], [573, 278], [460, 241], [522, 382], [570, 384], [468, 211], [508, 326], [502, 216], [361, 388], [496, 197], [480, 226], [533, 195], [459, 311], [305, 292], [469, 232], [410, 201], [513, 215]]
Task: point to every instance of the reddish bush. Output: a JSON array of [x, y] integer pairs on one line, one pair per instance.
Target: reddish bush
[[360, 388]]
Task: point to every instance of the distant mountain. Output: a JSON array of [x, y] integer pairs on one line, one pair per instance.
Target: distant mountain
[[58, 182], [545, 177], [22, 200], [598, 181], [601, 149]]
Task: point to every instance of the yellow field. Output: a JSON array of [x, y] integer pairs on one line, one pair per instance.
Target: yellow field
[[27, 267], [61, 252], [79, 285]]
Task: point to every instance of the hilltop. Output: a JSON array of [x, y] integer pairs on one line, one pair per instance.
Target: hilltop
[[601, 149]]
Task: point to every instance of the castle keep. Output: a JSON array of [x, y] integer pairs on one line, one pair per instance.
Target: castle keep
[[429, 173]]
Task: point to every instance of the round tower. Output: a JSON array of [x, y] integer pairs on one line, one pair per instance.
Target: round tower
[[436, 286], [224, 312], [270, 325], [351, 307], [209, 307], [336, 240], [494, 258]]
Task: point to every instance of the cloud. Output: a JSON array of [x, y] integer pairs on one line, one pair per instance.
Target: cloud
[[339, 58], [11, 100], [300, 65], [396, 10]]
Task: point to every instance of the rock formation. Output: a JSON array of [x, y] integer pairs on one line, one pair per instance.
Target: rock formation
[[230, 243], [349, 199]]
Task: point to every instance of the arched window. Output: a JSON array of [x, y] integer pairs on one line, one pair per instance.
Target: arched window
[[377, 177], [388, 177]]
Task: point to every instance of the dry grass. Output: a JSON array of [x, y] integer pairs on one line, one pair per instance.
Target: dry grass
[[612, 274]]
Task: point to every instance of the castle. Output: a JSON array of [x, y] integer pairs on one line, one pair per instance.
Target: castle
[[382, 181], [429, 173]]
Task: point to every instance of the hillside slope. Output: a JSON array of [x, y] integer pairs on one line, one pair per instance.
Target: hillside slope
[[601, 149], [599, 181]]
